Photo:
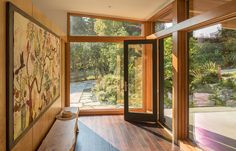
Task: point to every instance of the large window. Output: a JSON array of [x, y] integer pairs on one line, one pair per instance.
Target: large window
[[212, 86], [96, 75], [96, 68], [87, 26]]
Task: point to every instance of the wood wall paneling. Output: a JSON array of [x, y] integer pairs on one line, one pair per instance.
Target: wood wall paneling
[[38, 15], [26, 143], [63, 92], [41, 128], [25, 5], [34, 136], [2, 78]]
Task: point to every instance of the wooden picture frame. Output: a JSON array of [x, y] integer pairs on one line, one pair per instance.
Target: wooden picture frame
[[33, 56]]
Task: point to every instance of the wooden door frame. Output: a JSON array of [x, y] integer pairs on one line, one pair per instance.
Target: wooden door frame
[[137, 115]]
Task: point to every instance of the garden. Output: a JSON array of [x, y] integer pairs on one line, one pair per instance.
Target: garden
[[212, 69]]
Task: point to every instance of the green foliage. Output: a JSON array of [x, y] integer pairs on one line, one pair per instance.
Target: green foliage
[[94, 59], [135, 74], [167, 102], [203, 75], [207, 58], [168, 71], [106, 89], [85, 26], [228, 83], [218, 101]]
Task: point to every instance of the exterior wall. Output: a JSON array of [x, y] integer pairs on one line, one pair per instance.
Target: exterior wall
[[34, 136]]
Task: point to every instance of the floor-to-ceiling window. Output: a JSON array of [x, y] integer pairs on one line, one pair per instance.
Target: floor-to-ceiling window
[[164, 21], [212, 86], [96, 63]]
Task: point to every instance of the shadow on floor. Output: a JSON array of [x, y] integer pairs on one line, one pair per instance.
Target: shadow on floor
[[91, 141], [147, 127]]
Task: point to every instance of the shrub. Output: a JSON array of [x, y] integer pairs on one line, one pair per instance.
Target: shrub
[[106, 89]]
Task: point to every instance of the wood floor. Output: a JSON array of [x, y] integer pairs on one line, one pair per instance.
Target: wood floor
[[112, 133]]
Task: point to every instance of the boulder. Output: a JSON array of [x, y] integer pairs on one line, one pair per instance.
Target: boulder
[[202, 100], [231, 103]]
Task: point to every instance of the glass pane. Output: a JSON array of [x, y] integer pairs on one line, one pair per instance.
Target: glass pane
[[168, 82], [197, 7], [86, 26], [96, 75], [139, 81], [212, 86]]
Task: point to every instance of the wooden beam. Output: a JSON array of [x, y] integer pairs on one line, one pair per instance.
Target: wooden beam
[[179, 63], [213, 16], [147, 70], [102, 38], [180, 88]]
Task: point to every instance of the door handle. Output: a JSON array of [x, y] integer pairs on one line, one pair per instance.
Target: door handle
[[126, 86]]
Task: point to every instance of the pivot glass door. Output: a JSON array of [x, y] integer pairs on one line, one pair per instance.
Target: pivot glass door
[[140, 80]]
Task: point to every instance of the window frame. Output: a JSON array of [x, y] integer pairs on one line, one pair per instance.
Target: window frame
[[147, 28]]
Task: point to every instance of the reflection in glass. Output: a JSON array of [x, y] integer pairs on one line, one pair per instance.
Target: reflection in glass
[[212, 86]]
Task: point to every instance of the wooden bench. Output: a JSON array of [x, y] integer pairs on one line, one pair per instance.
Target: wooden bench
[[62, 135]]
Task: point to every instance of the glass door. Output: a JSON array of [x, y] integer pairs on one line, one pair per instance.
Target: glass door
[[140, 80]]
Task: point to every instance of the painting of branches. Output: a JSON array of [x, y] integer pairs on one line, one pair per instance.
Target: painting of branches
[[36, 72]]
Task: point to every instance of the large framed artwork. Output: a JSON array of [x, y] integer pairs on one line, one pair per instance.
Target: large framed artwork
[[33, 72]]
